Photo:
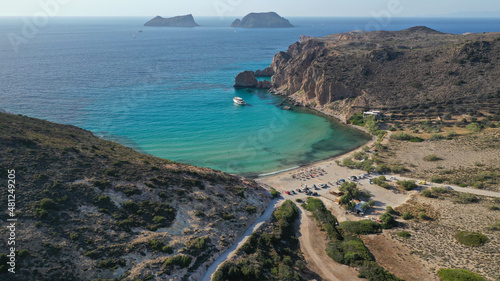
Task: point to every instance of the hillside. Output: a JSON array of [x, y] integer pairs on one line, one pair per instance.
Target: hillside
[[92, 209], [413, 70], [179, 21], [262, 20]]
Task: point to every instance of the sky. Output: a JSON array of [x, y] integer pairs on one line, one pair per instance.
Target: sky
[[231, 8]]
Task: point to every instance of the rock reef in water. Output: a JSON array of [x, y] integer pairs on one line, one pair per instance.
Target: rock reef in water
[[262, 20], [246, 79], [179, 21]]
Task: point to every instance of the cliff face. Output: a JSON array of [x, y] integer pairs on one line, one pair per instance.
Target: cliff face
[[92, 209], [179, 21], [345, 73], [262, 20]]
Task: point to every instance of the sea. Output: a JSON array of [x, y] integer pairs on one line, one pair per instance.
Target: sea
[[169, 92]]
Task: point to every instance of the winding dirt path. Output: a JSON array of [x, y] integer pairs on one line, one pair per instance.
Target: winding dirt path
[[313, 244]]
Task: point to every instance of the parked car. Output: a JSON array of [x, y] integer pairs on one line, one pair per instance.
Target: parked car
[[448, 187]]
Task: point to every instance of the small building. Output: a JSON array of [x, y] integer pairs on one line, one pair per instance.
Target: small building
[[377, 114]]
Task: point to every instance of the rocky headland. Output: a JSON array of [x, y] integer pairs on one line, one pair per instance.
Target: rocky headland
[[416, 69], [95, 210], [262, 20], [179, 21]]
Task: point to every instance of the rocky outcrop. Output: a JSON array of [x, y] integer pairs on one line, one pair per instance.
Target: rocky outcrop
[[417, 67], [262, 20], [266, 72], [245, 79], [179, 21], [264, 84]]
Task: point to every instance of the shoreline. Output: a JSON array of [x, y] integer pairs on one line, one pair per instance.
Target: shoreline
[[371, 142]]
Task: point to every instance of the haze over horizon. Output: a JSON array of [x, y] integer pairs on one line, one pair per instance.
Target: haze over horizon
[[238, 8]]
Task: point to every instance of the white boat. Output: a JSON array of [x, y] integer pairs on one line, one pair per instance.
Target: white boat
[[239, 101]]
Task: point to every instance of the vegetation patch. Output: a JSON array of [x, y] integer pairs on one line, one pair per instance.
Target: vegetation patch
[[455, 274], [471, 239], [432, 158], [360, 227], [407, 184], [271, 253], [404, 234]]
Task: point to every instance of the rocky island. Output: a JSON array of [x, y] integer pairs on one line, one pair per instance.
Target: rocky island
[[179, 21], [262, 20]]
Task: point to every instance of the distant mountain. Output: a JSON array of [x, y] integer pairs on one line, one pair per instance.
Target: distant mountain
[[179, 21], [262, 20], [474, 14]]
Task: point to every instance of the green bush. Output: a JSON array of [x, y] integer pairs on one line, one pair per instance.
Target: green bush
[[493, 208], [390, 210], [407, 216], [182, 261], [357, 119], [474, 127], [167, 249], [449, 274], [404, 234], [23, 253], [407, 185], [426, 193], [156, 245], [360, 227], [274, 193], [467, 198], [374, 272], [437, 179], [424, 216], [432, 158], [388, 221], [348, 251], [471, 239]]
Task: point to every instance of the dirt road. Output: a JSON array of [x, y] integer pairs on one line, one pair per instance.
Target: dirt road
[[313, 245]]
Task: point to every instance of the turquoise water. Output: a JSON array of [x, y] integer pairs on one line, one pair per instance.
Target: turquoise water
[[168, 92]]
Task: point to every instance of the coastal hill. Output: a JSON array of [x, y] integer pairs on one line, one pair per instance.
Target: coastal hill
[[418, 70], [179, 21], [91, 209], [262, 20]]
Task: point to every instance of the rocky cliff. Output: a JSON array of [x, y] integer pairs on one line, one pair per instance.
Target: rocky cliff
[[90, 209], [262, 20], [413, 68], [179, 21]]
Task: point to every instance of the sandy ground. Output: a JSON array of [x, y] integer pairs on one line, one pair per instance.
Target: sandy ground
[[458, 155], [434, 241], [313, 244], [396, 258]]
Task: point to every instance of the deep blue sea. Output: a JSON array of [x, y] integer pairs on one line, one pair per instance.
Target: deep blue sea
[[168, 91]]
